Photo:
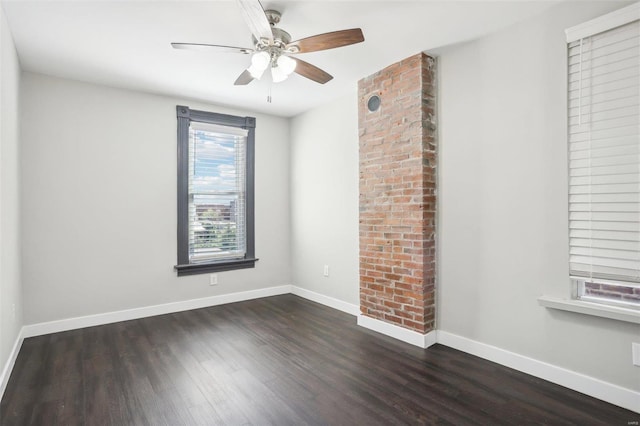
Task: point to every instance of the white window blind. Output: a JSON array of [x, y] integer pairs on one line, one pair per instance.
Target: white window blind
[[217, 192], [604, 154]]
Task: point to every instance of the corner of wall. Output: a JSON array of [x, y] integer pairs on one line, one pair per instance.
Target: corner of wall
[[324, 200], [11, 318]]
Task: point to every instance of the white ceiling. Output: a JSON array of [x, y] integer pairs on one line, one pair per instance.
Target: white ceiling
[[126, 43]]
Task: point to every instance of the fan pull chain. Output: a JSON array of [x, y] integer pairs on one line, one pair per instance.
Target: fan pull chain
[[269, 94]]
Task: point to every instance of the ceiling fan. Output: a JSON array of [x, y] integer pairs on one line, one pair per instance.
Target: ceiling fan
[[274, 48]]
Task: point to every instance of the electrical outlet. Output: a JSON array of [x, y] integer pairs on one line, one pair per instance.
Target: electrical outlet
[[213, 279], [635, 353], [326, 271]]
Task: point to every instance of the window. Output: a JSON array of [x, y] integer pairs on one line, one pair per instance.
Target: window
[[215, 192], [604, 158]]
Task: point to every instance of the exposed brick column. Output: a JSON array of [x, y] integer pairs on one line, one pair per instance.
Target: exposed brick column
[[398, 194]]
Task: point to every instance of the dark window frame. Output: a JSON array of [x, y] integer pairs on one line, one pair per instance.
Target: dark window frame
[[185, 116]]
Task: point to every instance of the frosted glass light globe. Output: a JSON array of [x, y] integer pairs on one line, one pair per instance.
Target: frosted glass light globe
[[286, 64], [278, 75], [259, 62]]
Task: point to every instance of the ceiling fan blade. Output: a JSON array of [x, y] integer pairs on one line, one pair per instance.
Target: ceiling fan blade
[[254, 16], [326, 41], [244, 79], [211, 48], [311, 72]]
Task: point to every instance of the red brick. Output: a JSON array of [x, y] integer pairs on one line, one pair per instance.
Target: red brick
[[397, 193]]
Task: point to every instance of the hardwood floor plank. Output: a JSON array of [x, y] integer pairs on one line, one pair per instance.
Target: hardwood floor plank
[[280, 360], [204, 414]]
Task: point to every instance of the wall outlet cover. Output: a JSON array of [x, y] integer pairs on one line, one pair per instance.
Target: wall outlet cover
[[635, 352]]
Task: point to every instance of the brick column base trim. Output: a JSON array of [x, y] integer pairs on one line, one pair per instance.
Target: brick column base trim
[[400, 333]]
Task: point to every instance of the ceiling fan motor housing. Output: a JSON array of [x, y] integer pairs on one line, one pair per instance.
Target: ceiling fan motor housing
[[280, 37]]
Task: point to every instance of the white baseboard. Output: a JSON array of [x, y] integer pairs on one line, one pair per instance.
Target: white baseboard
[[617, 395], [148, 311], [400, 333], [8, 367], [326, 300]]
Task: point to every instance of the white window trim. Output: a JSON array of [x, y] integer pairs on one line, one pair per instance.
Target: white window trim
[[596, 309], [603, 23], [186, 117]]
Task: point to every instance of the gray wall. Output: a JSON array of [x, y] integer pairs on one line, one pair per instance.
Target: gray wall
[[99, 201], [10, 287], [503, 200], [324, 199]]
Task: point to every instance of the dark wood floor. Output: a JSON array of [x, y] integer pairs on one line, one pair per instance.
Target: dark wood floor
[[280, 360]]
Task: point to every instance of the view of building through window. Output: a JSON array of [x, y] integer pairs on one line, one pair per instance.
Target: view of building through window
[[216, 192]]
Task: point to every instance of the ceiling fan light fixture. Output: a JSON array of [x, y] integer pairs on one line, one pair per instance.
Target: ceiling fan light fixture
[[272, 45], [259, 63], [278, 75], [286, 64]]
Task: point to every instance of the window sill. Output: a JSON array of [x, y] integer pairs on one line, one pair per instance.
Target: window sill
[[205, 268], [588, 308]]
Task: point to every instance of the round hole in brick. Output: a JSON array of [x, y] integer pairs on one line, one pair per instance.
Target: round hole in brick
[[373, 103]]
